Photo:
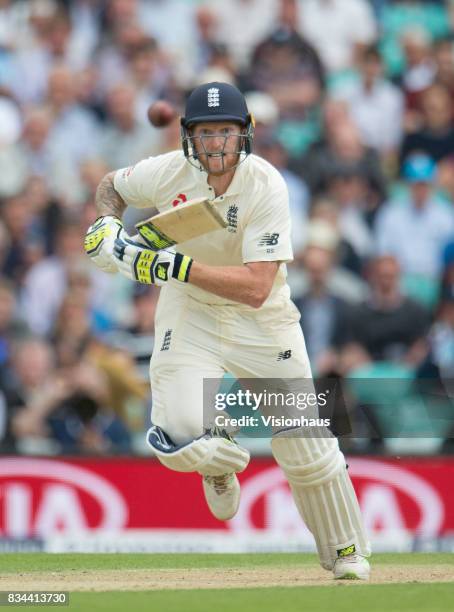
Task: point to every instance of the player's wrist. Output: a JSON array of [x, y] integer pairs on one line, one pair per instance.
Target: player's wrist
[[182, 267]]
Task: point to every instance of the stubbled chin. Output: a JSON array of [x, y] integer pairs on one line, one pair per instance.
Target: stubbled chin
[[217, 166]]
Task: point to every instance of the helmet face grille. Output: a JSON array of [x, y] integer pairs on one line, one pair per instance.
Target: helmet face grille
[[216, 102], [190, 150]]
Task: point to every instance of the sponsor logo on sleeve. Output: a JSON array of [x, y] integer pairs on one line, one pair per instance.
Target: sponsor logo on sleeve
[[269, 240]]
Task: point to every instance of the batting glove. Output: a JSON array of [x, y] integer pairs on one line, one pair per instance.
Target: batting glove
[[99, 239], [140, 263]]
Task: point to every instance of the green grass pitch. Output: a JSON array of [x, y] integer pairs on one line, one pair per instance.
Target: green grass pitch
[[352, 597]]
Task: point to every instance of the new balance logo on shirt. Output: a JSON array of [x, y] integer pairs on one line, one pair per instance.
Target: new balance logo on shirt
[[269, 239]]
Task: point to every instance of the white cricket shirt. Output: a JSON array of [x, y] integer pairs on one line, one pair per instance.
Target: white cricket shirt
[[255, 207]]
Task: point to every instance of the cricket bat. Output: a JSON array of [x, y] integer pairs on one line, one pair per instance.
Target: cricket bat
[[184, 222]]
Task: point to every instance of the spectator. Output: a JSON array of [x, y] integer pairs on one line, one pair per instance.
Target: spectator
[[266, 115], [322, 233], [74, 339], [428, 20], [34, 149], [35, 143], [328, 211], [47, 212], [73, 327], [68, 409], [387, 326], [347, 189], [91, 173], [219, 67], [13, 174], [416, 230], [242, 24], [180, 40], [4, 244], [82, 421], [7, 440], [288, 68], [375, 105], [137, 338], [125, 140], [34, 55], [342, 147], [419, 71], [10, 124], [444, 60], [322, 311], [338, 29], [205, 40], [147, 77], [435, 137], [115, 52], [12, 327], [31, 381], [69, 117], [50, 39], [46, 283], [441, 335], [25, 245]]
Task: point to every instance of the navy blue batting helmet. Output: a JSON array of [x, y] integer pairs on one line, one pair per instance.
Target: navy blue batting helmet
[[212, 102]]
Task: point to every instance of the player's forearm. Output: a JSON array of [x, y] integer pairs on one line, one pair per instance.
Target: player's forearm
[[107, 200], [237, 283]]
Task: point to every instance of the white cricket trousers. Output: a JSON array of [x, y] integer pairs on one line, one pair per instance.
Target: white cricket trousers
[[195, 340]]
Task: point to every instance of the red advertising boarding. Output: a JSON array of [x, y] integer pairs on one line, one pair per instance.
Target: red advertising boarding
[[41, 497]]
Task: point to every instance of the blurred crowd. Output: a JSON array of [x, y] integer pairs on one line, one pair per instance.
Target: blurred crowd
[[353, 102]]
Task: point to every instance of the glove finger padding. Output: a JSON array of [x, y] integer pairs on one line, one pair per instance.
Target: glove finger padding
[[134, 260], [98, 242], [147, 266]]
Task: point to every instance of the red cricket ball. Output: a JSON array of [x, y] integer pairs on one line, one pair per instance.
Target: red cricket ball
[[161, 113]]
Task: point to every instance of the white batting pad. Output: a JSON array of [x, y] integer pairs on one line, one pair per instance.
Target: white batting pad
[[323, 493], [208, 455]]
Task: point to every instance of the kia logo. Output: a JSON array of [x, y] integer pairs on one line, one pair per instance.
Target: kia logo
[[59, 507], [384, 483]]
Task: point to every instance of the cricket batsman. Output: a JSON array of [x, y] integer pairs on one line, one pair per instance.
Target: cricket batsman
[[225, 306]]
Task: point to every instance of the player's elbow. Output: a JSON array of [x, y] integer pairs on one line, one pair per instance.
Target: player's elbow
[[261, 279], [258, 297]]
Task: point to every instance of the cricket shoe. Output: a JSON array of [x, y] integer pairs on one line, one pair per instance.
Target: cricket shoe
[[223, 495], [351, 567]]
